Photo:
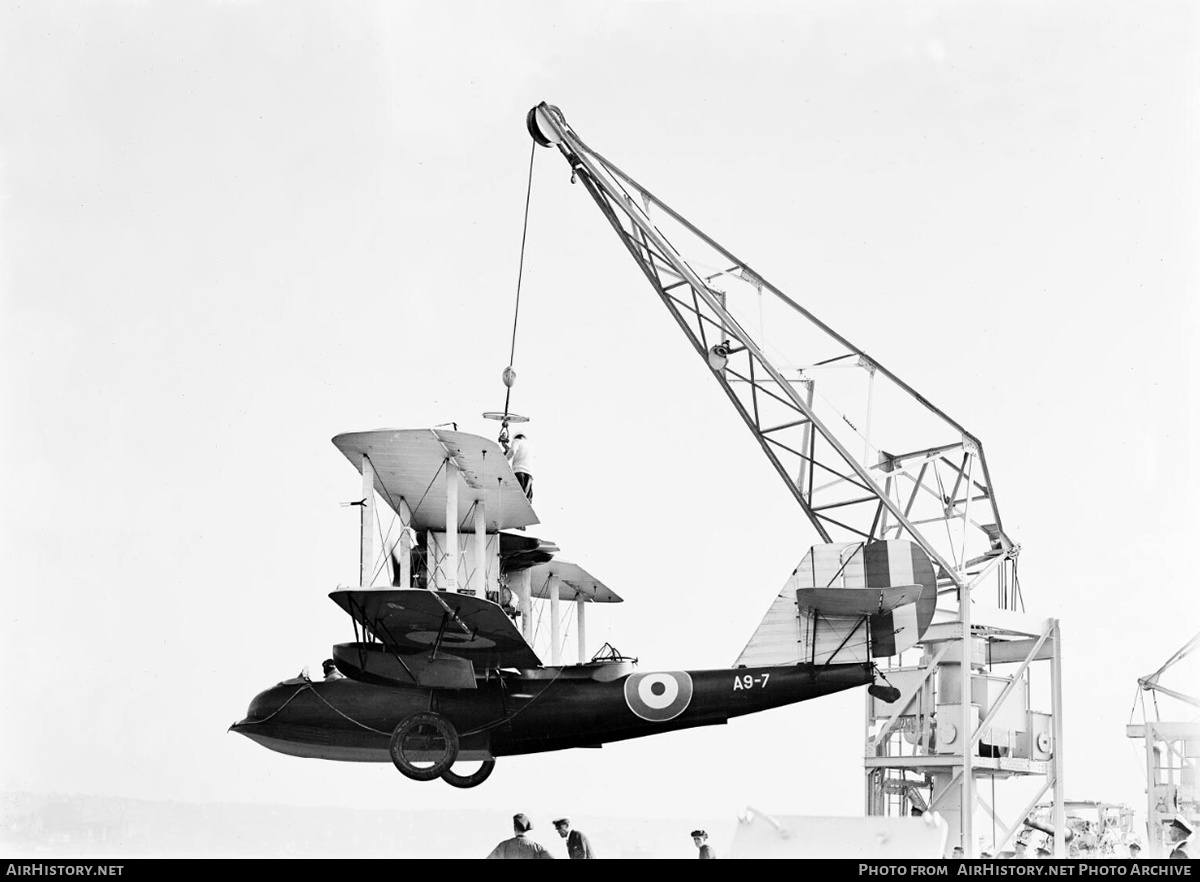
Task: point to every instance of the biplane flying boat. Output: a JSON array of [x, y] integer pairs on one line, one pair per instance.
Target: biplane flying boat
[[443, 670]]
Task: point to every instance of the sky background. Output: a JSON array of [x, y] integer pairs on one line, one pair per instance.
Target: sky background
[[230, 231]]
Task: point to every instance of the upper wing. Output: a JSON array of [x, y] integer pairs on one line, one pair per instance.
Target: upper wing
[[409, 465], [410, 620]]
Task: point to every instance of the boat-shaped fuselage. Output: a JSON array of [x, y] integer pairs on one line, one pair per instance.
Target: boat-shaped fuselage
[[514, 713]]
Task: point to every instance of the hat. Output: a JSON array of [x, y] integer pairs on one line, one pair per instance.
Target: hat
[[328, 663], [521, 823], [696, 833], [562, 821]]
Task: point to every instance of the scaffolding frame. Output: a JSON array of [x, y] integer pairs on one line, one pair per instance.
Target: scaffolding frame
[[1172, 762], [922, 734]]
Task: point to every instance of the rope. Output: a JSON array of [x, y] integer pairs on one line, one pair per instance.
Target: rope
[[299, 689], [508, 718], [520, 271], [345, 716], [483, 728], [309, 686]]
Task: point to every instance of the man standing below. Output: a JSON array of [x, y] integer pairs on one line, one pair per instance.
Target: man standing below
[[578, 847], [520, 847], [700, 838], [520, 454]]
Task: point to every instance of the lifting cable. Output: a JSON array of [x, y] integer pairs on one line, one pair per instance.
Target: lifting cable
[[520, 273]]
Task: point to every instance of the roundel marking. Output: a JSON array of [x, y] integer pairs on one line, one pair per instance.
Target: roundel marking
[[463, 641], [658, 697]]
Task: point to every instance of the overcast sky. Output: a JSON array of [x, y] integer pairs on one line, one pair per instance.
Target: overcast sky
[[230, 231]]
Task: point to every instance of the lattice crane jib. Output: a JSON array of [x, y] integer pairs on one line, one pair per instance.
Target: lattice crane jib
[[864, 454]]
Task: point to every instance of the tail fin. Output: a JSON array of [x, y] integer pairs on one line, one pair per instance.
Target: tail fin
[[848, 602]]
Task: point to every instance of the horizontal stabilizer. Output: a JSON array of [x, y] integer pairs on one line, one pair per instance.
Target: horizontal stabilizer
[[856, 601], [847, 602]]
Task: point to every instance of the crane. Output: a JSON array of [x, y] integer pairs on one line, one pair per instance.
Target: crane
[[868, 458], [1150, 683], [813, 406], [1172, 761]]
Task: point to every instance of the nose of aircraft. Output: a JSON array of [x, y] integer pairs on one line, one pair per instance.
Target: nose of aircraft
[[269, 703]]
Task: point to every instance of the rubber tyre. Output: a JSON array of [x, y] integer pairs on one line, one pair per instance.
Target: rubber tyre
[[472, 780], [443, 728]]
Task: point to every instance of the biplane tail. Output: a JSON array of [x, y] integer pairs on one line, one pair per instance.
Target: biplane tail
[[847, 602]]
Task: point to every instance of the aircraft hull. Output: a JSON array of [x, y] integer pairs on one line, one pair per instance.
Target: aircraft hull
[[352, 721]]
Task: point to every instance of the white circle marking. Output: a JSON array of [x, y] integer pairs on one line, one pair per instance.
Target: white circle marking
[[658, 702]]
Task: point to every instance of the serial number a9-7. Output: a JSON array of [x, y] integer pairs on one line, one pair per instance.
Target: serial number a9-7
[[748, 682]]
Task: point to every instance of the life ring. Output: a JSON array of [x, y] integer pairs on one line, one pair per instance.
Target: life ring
[[474, 779], [424, 737]]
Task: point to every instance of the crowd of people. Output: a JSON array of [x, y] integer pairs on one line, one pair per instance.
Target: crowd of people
[[522, 846]]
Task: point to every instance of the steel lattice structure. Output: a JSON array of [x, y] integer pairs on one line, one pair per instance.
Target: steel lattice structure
[[864, 454]]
